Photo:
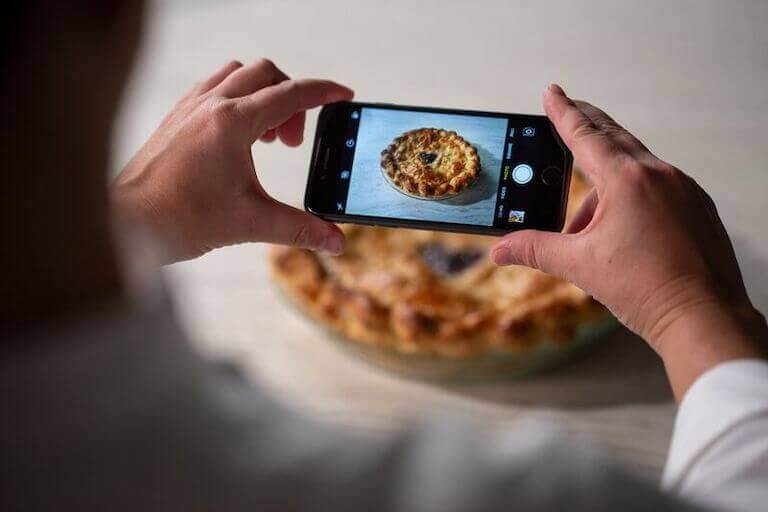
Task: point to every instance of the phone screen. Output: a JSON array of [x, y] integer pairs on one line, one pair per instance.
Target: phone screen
[[517, 179]]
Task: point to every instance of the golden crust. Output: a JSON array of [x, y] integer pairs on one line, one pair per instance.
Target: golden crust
[[384, 291], [431, 163]]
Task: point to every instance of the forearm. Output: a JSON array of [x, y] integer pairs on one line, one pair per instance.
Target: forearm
[[707, 336]]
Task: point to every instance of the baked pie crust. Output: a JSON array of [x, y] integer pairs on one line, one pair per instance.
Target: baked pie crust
[[433, 293], [430, 163]]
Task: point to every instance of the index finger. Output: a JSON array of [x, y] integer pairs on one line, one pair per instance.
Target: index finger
[[610, 127], [594, 149], [291, 132], [272, 106], [251, 78]]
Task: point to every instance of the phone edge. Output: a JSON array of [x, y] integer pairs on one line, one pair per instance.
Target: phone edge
[[322, 119]]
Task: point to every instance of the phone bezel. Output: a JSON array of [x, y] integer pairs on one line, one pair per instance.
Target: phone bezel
[[325, 138]]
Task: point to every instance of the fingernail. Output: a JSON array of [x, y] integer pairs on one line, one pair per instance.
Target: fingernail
[[556, 89], [500, 256]]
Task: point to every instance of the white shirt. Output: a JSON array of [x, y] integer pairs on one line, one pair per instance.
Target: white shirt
[[719, 451], [115, 411]]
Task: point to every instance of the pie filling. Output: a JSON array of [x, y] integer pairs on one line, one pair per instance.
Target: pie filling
[[449, 262], [427, 158]]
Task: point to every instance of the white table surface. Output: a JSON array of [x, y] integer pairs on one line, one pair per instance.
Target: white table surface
[[688, 77]]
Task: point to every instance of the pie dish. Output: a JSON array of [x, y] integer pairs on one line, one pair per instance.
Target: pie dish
[[423, 303], [430, 163]]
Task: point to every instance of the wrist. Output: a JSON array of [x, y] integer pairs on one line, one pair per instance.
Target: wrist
[[135, 213], [706, 335], [129, 207]]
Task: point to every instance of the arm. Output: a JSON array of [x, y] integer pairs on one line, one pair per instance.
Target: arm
[[650, 246]]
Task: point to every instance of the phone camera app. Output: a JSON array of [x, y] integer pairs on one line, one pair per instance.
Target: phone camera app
[[427, 166]]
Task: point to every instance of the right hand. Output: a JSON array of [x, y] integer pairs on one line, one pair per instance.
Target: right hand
[[647, 242]]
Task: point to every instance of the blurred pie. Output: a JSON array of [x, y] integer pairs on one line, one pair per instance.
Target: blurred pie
[[430, 163], [432, 293]]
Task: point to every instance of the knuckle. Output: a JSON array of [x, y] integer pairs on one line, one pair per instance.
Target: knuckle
[[225, 110], [614, 130], [677, 181], [582, 105], [531, 256], [292, 92], [635, 172], [583, 130], [635, 180], [668, 169], [304, 237], [265, 64], [290, 86], [222, 116]]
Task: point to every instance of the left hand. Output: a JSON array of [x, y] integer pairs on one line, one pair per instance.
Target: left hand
[[194, 182]]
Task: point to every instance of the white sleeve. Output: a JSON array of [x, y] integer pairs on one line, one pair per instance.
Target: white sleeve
[[719, 451]]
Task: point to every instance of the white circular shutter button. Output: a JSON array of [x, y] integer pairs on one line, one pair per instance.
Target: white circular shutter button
[[522, 174]]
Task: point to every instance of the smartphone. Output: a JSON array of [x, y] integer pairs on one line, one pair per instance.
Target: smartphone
[[440, 169]]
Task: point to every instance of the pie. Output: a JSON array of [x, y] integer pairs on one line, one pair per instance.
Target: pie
[[433, 293], [430, 163]]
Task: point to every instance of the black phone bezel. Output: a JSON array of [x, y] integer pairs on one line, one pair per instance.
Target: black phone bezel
[[327, 138]]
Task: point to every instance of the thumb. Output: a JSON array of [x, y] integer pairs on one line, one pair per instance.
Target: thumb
[[542, 250], [279, 223]]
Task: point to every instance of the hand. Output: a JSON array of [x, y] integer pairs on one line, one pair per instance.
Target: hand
[[647, 242], [194, 182]]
